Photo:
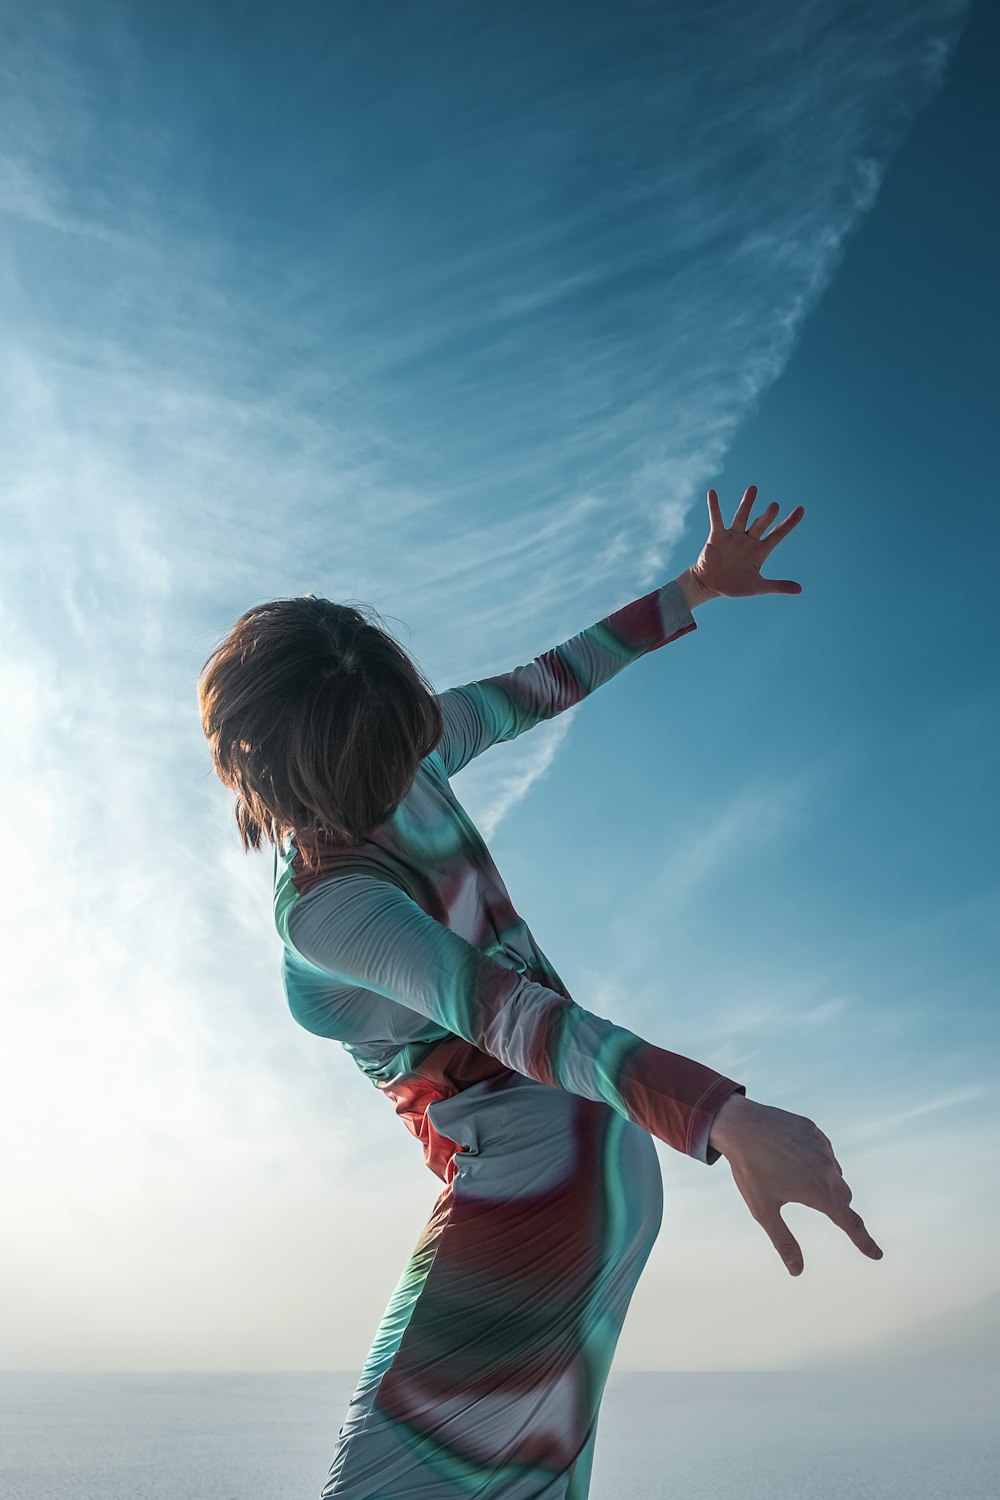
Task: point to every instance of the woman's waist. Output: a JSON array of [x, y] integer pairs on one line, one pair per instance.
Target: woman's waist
[[445, 1067], [449, 1067]]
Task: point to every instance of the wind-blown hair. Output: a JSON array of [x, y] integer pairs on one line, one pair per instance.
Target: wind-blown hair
[[317, 719]]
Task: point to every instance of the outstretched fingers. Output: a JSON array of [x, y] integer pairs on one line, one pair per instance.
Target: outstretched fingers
[[780, 532], [769, 542], [744, 508], [764, 520], [781, 1238], [838, 1211], [755, 528], [853, 1226]]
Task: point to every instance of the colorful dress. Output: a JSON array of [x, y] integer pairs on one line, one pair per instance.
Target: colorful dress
[[487, 1370]]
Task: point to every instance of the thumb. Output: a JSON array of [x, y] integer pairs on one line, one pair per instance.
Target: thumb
[[781, 586], [784, 1241]]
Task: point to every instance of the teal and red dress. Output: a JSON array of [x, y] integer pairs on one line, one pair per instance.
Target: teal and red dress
[[487, 1370]]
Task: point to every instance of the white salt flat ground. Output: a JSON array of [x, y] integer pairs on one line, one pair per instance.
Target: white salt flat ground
[[702, 1436]]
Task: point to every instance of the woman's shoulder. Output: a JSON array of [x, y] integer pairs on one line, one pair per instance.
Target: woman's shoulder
[[299, 881]]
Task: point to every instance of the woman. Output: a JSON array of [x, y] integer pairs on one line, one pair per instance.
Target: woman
[[401, 942]]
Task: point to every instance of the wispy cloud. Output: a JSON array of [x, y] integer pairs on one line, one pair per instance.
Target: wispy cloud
[[881, 1125]]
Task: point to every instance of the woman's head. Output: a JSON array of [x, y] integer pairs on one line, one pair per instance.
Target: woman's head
[[317, 719]]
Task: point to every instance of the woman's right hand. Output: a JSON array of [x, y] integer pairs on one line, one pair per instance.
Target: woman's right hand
[[776, 1158]]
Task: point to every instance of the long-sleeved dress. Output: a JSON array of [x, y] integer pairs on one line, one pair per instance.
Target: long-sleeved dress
[[487, 1370]]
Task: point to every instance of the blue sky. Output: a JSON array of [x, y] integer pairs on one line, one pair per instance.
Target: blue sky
[[460, 311]]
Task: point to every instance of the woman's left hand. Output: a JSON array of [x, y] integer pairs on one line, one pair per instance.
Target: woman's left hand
[[731, 559]]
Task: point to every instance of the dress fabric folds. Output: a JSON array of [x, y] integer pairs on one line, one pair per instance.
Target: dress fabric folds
[[485, 1375]]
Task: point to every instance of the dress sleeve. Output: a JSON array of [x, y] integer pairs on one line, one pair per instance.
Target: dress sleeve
[[479, 714], [367, 932]]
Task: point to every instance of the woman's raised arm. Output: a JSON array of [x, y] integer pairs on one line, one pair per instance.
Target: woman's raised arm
[[479, 714]]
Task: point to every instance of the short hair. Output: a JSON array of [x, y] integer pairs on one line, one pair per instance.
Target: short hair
[[317, 719]]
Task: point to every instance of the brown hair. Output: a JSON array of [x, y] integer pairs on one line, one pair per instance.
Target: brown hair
[[317, 719]]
